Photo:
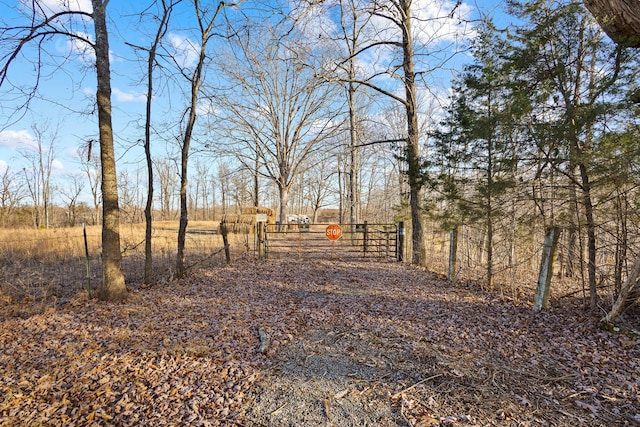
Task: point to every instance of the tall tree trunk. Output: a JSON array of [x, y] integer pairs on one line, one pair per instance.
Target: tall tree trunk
[[419, 253], [353, 151], [113, 284], [196, 81], [621, 239], [591, 236], [184, 214], [148, 210], [283, 192]]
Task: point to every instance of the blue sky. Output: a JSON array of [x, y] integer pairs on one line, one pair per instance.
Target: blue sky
[[63, 109]]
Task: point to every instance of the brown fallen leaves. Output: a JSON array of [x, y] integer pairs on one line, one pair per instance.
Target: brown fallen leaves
[[348, 344]]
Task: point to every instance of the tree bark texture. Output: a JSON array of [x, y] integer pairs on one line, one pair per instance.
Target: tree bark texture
[[113, 285], [620, 19]]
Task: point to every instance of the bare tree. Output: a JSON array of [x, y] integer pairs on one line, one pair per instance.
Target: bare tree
[[113, 285], [70, 193], [223, 180], [394, 33], [38, 175], [318, 185], [203, 188], [164, 14], [205, 21], [90, 165], [12, 191], [166, 175], [276, 108]]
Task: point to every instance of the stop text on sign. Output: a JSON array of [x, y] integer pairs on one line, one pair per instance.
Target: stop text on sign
[[333, 232]]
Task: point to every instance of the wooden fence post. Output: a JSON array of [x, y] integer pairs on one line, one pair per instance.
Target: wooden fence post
[[225, 242], [400, 245], [453, 253], [541, 299], [365, 239], [261, 232], [86, 251]]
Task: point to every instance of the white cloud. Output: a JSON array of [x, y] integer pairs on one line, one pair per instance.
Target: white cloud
[[438, 21], [3, 166], [185, 51], [56, 6], [122, 96], [82, 48], [17, 139], [57, 165]]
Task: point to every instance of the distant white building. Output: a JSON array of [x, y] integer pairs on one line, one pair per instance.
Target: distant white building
[[298, 219]]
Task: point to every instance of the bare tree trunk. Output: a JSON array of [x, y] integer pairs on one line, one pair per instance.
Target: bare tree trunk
[[622, 235], [113, 284], [195, 80], [629, 294], [148, 256], [419, 252], [283, 192], [591, 236]]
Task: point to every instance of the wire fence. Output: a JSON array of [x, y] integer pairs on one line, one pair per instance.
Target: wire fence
[[54, 261]]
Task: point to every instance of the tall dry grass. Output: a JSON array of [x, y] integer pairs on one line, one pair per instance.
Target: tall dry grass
[[49, 264]]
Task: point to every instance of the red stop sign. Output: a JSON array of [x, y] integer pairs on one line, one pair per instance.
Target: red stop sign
[[333, 232]]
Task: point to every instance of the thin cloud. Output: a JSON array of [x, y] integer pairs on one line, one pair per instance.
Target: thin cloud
[[122, 96], [81, 48], [57, 165], [12, 139], [184, 50], [57, 6]]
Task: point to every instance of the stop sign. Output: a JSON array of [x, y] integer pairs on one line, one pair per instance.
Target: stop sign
[[333, 232]]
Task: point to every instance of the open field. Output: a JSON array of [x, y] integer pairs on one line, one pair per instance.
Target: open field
[[48, 265], [332, 343]]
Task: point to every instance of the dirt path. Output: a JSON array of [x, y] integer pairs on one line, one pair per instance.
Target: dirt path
[[349, 344]]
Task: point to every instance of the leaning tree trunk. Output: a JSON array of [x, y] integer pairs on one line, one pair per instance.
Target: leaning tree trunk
[[113, 284], [629, 294], [620, 19]]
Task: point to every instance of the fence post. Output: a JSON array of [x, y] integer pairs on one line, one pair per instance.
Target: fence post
[[86, 251], [400, 244], [453, 252], [541, 299], [225, 242], [261, 252], [365, 239]]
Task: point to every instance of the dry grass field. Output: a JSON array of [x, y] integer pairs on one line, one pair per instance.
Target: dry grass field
[[38, 267]]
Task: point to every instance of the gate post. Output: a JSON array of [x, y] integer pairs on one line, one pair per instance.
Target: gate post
[[541, 299], [400, 242], [365, 239], [453, 252], [225, 241], [261, 251]]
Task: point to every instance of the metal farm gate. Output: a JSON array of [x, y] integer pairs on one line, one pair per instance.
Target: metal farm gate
[[314, 241]]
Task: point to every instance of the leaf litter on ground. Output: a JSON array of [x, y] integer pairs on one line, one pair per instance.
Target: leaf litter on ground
[[337, 343]]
